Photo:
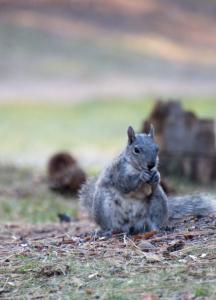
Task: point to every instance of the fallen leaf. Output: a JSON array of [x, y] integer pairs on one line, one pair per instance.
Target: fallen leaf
[[89, 291], [152, 257], [203, 255], [144, 236], [53, 270], [175, 246], [93, 275], [67, 242], [169, 255], [188, 236], [149, 296], [193, 257]]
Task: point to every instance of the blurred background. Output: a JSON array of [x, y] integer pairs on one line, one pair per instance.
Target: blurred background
[[75, 73]]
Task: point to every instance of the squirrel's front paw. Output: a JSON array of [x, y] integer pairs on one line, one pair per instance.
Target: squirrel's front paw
[[155, 178], [145, 176]]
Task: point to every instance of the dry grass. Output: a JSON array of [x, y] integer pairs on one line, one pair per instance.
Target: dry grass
[[54, 262]]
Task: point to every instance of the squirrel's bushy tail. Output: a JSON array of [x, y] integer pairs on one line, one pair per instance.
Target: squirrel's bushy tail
[[86, 193], [197, 205]]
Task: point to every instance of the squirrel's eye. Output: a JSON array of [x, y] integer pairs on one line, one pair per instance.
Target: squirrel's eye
[[136, 150]]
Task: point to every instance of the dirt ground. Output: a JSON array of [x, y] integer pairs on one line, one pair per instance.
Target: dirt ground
[[56, 262], [41, 258]]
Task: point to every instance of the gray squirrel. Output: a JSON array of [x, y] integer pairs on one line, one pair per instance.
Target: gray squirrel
[[127, 196]]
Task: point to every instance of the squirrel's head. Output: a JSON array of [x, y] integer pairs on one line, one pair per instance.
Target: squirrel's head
[[142, 150]]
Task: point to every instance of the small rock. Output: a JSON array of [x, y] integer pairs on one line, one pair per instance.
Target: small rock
[[64, 218], [146, 246]]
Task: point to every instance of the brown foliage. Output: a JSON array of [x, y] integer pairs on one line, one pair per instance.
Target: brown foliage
[[187, 143], [64, 174]]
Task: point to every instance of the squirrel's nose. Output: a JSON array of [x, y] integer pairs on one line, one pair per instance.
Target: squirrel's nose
[[151, 165]]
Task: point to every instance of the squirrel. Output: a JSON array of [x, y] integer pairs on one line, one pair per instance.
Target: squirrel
[[127, 195]]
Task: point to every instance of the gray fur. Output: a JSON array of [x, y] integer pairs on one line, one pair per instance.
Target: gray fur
[[127, 195], [86, 193], [197, 204], [119, 202]]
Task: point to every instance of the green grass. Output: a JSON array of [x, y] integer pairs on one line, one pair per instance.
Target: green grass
[[23, 199], [32, 131], [39, 208]]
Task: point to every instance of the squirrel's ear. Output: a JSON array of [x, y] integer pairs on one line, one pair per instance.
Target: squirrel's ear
[[131, 135], [152, 132]]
